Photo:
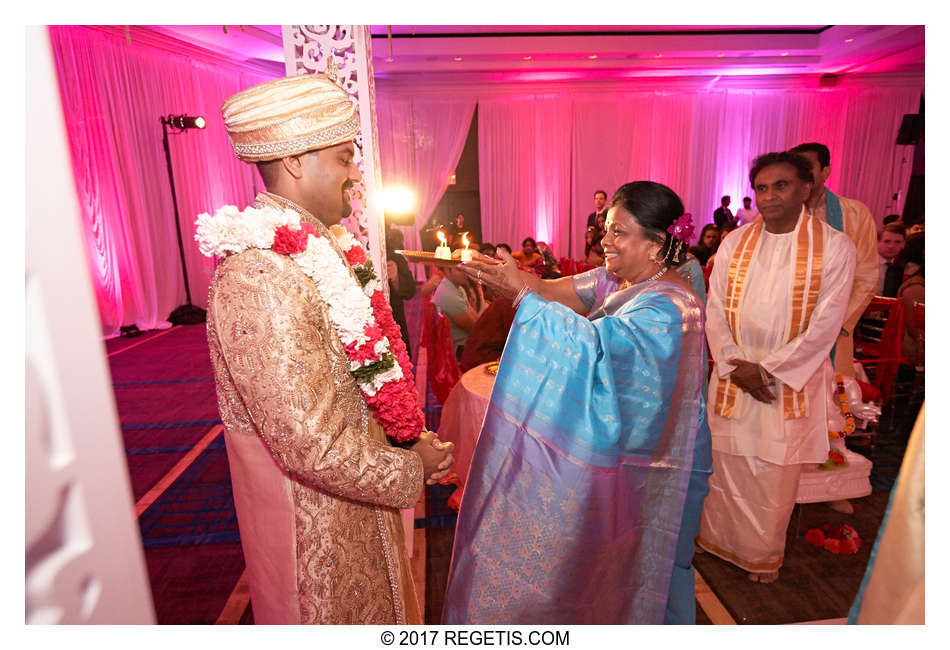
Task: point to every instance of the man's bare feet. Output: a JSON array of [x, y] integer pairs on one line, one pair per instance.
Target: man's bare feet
[[770, 576]]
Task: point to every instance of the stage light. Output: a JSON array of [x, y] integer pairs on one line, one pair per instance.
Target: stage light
[[182, 122], [592, 56], [398, 205], [187, 313], [458, 58], [526, 58]]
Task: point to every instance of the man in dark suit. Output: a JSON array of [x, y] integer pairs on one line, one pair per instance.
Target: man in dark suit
[[723, 214], [890, 242], [600, 208]]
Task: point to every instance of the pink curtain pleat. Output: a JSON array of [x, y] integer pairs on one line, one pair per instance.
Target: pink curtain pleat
[[114, 93], [538, 151], [524, 169]]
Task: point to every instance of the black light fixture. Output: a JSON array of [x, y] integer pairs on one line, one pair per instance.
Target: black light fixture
[[187, 314]]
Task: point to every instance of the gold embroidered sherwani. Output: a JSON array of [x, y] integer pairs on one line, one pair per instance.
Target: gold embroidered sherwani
[[859, 226], [317, 486]]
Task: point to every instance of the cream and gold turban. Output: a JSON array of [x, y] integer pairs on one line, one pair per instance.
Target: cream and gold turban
[[289, 116]]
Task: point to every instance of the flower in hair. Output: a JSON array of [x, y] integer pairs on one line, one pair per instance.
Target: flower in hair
[[682, 228]]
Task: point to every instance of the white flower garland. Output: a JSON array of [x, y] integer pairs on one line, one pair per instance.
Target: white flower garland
[[351, 312]]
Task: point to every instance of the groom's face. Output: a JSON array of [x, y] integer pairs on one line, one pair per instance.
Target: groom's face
[[328, 174]]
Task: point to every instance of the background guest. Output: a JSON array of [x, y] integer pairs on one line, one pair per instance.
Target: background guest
[[593, 249], [528, 254], [402, 286], [890, 219], [708, 244], [890, 242], [487, 339], [487, 249], [723, 214], [911, 291], [503, 247], [600, 208], [548, 266], [747, 213], [454, 298]]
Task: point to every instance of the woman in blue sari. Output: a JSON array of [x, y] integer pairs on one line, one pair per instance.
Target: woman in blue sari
[[586, 486]]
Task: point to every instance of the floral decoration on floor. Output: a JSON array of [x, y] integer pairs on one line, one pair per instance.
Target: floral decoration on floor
[[840, 540]]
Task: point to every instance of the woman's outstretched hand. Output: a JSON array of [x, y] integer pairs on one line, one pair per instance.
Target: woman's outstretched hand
[[501, 276]]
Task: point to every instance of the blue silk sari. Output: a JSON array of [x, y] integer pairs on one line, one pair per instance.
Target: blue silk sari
[[585, 489]]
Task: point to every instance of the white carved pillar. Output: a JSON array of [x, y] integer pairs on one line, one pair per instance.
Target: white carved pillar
[[84, 558], [309, 49]]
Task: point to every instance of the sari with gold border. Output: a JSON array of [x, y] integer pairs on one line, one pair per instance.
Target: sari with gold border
[[575, 508]]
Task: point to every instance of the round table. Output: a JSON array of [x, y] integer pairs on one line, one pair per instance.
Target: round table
[[465, 408], [463, 413]]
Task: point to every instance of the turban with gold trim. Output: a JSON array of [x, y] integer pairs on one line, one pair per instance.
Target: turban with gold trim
[[289, 116]]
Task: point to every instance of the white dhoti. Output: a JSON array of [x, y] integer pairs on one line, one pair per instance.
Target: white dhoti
[[778, 300], [747, 511]]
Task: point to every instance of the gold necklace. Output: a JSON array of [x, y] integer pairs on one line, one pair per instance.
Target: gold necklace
[[626, 283]]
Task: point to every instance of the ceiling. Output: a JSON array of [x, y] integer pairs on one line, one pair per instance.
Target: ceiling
[[509, 52]]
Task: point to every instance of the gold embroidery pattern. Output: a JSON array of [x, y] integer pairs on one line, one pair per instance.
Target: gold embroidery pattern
[[281, 374], [726, 391]]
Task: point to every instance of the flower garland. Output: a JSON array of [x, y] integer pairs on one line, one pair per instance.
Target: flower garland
[[359, 313], [840, 541], [849, 421]]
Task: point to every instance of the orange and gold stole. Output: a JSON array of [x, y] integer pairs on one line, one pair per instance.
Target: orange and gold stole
[[807, 282]]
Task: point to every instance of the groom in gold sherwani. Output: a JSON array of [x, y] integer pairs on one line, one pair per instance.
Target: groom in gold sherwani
[[317, 484]]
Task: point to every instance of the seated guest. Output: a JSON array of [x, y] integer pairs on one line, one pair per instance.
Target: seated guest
[[528, 254], [432, 282], [890, 242], [586, 485], [911, 291], [915, 228], [708, 244], [548, 266], [487, 249], [487, 338], [453, 299], [593, 250], [502, 247]]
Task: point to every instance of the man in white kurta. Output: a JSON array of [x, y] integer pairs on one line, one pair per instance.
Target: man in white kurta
[[776, 302]]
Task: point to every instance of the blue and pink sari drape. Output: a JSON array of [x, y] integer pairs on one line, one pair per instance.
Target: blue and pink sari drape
[[583, 497]]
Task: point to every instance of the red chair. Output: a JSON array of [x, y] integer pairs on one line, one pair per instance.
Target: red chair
[[877, 341], [567, 266], [707, 271], [442, 368]]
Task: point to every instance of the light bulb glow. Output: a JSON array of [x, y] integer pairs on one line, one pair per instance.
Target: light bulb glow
[[398, 200]]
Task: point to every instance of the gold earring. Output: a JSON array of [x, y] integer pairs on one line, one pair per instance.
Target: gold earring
[[655, 257]]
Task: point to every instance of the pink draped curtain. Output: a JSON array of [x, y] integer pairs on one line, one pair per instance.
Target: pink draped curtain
[[114, 92], [541, 157], [420, 143], [524, 169]]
